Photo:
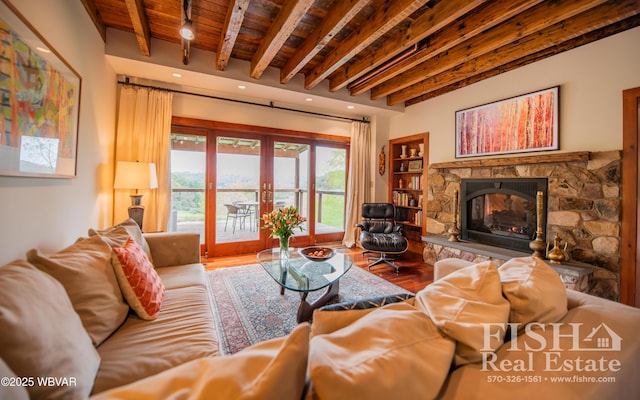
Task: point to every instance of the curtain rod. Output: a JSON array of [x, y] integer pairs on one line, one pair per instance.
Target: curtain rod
[[270, 105]]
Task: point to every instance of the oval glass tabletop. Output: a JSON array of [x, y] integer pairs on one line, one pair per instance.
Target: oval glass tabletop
[[301, 275]]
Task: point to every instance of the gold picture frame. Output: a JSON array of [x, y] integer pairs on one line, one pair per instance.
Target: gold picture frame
[[40, 102], [415, 165]]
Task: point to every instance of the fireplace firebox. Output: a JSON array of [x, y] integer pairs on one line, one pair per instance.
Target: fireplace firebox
[[501, 211]]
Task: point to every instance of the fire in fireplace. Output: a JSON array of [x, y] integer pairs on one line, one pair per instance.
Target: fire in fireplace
[[501, 211]]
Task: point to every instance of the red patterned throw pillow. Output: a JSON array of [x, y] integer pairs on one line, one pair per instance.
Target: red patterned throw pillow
[[138, 280]]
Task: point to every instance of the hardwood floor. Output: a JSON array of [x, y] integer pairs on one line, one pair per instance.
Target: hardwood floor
[[413, 276]]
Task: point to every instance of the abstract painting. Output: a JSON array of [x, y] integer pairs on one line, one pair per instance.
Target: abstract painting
[[519, 124], [39, 107]]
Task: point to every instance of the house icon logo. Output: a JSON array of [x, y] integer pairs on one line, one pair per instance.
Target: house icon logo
[[602, 338]]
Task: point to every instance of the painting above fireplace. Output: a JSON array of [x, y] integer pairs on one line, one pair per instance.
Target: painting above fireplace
[[501, 211]]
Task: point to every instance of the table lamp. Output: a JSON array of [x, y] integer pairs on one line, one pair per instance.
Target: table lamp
[[138, 176]]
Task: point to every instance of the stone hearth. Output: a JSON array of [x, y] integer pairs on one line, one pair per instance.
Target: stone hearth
[[583, 207]]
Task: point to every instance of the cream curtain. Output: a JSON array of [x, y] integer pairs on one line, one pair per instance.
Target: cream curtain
[[358, 190], [144, 130]]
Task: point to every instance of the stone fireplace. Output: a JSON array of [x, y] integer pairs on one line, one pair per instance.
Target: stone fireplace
[[501, 211], [582, 207]]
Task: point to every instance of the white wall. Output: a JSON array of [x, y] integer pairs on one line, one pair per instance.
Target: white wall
[[226, 111], [591, 79], [52, 213]]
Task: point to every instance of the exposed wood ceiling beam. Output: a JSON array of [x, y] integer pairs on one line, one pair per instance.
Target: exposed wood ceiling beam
[[476, 22], [581, 40], [140, 25], [186, 51], [379, 24], [381, 46], [328, 28], [442, 14], [290, 14], [554, 35], [95, 17], [527, 23], [232, 23]]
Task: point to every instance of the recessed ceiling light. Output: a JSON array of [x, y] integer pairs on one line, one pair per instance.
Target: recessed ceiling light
[[242, 87], [309, 99], [43, 49], [351, 107], [177, 75]]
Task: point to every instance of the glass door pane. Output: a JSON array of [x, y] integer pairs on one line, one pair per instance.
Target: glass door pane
[[188, 179], [331, 172], [237, 189], [291, 163]]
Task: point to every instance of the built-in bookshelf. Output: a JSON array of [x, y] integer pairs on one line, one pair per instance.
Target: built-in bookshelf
[[408, 182]]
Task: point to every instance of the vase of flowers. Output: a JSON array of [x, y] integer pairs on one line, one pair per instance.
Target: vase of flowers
[[283, 223]]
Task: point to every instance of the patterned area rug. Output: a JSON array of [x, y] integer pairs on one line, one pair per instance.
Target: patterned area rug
[[249, 309]]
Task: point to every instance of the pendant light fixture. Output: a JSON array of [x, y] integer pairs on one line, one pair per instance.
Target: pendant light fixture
[[186, 30]]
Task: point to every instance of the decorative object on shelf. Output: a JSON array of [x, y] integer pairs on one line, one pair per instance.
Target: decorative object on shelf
[[538, 245], [404, 151], [401, 183], [283, 223], [421, 152], [138, 176], [557, 254], [381, 162], [40, 103], [454, 232], [402, 167], [413, 152], [415, 165], [539, 109], [413, 202]]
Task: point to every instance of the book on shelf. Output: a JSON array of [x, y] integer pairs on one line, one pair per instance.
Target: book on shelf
[[417, 218], [401, 198]]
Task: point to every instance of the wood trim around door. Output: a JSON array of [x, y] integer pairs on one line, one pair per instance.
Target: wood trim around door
[[629, 257]]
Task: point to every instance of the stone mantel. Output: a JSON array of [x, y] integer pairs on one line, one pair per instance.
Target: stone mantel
[[497, 162]]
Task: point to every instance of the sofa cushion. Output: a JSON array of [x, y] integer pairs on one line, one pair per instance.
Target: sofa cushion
[[42, 336], [184, 330], [332, 317], [117, 235], [274, 369], [393, 352], [534, 290], [465, 304], [85, 271], [139, 281], [182, 276]]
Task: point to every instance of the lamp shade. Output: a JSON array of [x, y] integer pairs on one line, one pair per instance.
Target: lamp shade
[[135, 175]]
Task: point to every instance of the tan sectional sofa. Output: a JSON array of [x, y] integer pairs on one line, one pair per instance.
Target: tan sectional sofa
[[67, 332], [435, 345]]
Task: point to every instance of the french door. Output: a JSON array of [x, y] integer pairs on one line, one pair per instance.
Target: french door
[[249, 174]]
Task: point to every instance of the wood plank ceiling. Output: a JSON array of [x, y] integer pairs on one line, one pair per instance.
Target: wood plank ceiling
[[406, 51]]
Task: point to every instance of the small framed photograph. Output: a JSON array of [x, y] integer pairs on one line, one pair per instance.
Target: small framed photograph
[[415, 165]]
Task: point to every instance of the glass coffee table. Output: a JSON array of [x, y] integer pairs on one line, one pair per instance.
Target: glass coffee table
[[301, 275]]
